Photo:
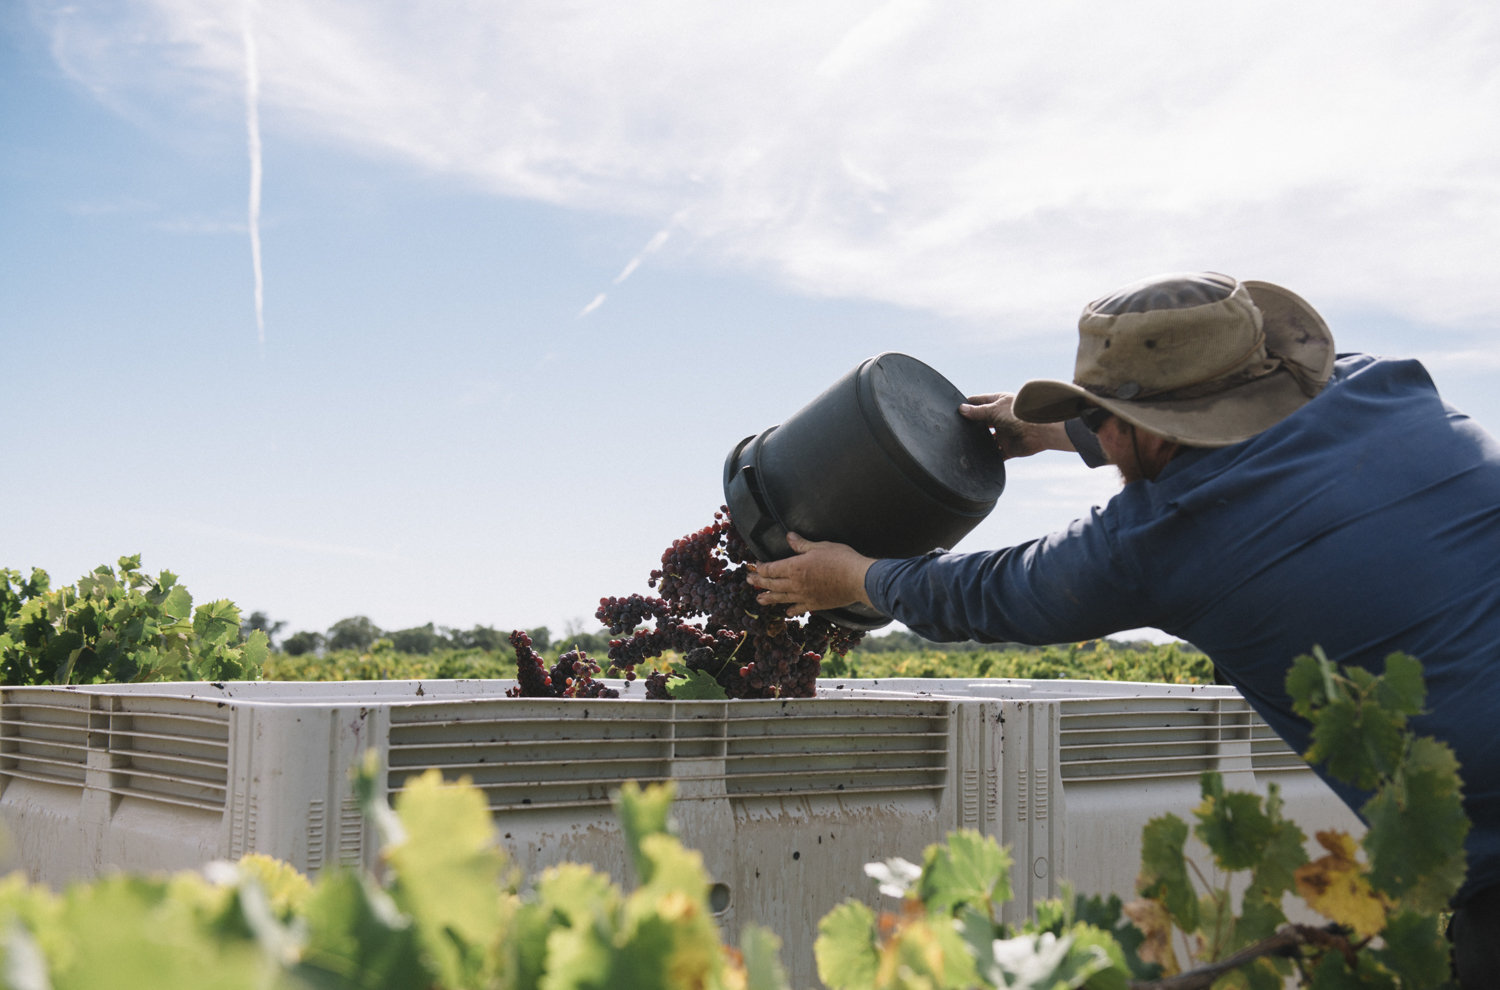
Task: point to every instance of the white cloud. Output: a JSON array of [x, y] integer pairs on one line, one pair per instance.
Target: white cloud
[[593, 305], [999, 161]]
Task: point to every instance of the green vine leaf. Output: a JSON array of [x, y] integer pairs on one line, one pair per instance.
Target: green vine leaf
[[1417, 829], [969, 868], [1164, 872], [695, 685], [847, 951], [1232, 825]]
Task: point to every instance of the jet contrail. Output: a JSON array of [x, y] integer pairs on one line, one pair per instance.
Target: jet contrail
[[252, 127], [651, 247]]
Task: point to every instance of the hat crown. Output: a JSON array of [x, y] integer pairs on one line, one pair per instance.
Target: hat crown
[[1169, 332], [1165, 292]]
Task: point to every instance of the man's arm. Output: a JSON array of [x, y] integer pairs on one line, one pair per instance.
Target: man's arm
[[1065, 587], [1062, 588], [1012, 436], [1019, 439]]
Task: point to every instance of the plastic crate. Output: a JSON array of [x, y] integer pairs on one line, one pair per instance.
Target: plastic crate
[[787, 800]]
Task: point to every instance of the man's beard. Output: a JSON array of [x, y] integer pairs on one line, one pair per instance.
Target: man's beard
[[1130, 466]]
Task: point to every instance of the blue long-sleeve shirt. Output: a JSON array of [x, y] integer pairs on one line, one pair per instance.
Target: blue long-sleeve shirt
[[1366, 522]]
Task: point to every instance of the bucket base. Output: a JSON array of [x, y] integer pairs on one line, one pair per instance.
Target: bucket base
[[861, 618]]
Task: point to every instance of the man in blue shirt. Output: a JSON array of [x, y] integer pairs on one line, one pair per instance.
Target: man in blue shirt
[[1275, 497]]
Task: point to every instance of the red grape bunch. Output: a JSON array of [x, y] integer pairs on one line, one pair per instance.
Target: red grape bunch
[[571, 677], [752, 651]]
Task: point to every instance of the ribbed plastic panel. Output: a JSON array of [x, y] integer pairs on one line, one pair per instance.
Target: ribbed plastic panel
[[173, 752], [1268, 751], [1147, 738], [46, 739], [568, 754], [169, 750]]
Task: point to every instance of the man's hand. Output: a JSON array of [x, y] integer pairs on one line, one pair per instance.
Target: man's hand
[[1012, 436], [822, 575]]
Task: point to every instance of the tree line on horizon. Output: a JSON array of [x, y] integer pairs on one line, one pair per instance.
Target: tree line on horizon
[[360, 634]]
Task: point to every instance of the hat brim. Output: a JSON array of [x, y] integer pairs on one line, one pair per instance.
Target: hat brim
[[1293, 329]]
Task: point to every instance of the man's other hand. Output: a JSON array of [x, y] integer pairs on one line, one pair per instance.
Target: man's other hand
[[822, 575], [1013, 437]]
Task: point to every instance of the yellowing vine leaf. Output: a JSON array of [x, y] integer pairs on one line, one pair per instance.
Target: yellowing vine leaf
[[1151, 917], [1338, 887]]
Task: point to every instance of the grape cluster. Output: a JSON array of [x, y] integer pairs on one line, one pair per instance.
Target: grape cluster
[[752, 651], [656, 686], [571, 677], [532, 677], [624, 614]]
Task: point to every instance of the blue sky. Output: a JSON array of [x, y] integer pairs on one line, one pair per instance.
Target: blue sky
[[434, 430]]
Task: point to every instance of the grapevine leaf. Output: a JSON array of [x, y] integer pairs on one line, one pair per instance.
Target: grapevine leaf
[[924, 954], [1053, 916], [1332, 973], [215, 623], [1417, 829], [1154, 921], [642, 813], [1306, 684], [1414, 950], [970, 868], [253, 656], [1232, 825], [286, 889], [582, 959], [1258, 974], [674, 867], [1283, 853], [978, 931], [650, 959], [697, 685], [571, 894], [59, 650], [846, 950], [87, 665], [1107, 915], [1164, 874], [1401, 689], [1259, 918], [762, 953], [136, 936], [178, 604], [1361, 742], [530, 926], [1116, 975], [1337, 887], [358, 933], [447, 875]]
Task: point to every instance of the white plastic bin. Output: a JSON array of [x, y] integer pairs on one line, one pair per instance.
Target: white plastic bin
[[787, 800]]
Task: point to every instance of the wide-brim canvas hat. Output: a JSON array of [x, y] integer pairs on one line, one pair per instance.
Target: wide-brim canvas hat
[[1200, 358]]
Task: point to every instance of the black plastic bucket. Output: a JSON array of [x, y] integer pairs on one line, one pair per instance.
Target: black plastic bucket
[[882, 461]]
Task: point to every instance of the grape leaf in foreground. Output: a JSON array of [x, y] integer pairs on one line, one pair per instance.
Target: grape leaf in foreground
[[1337, 887]]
